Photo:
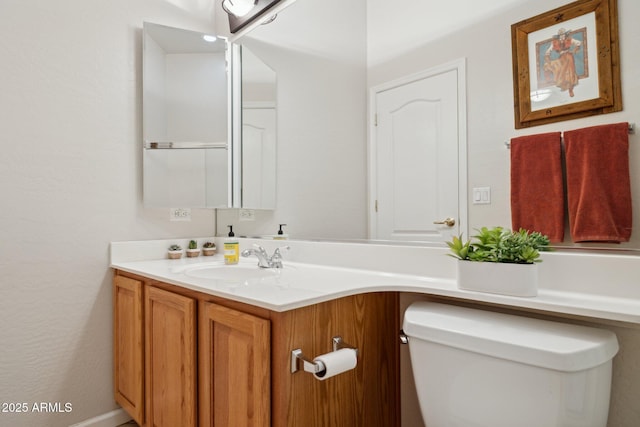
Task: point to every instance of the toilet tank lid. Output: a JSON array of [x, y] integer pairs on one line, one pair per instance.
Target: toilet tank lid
[[543, 343]]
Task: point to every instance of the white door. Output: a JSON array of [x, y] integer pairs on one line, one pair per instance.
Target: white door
[[418, 161], [259, 158]]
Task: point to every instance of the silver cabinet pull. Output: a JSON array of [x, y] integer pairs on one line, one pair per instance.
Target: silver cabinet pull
[[449, 222]]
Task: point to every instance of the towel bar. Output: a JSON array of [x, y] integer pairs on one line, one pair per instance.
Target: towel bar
[[632, 131], [167, 145]]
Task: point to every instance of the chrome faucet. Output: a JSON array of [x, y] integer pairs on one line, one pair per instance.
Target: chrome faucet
[[276, 258], [264, 260]]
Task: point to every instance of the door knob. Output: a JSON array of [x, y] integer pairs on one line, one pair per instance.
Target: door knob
[[449, 222]]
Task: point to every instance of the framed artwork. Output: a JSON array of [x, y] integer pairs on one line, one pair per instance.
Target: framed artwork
[[566, 63]]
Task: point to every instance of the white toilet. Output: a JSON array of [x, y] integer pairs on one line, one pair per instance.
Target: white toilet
[[475, 368]]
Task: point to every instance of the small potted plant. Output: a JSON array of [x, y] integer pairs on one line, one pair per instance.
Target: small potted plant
[[175, 252], [499, 261], [208, 249], [192, 250]]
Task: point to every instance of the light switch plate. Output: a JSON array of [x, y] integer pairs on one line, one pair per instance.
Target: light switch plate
[[482, 195]]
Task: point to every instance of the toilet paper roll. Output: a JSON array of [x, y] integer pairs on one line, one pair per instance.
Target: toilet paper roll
[[336, 362]]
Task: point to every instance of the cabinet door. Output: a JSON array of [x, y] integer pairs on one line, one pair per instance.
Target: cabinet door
[[367, 396], [128, 350], [235, 366], [170, 359]]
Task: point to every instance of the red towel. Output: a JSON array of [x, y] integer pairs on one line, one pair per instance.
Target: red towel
[[537, 197], [598, 183]]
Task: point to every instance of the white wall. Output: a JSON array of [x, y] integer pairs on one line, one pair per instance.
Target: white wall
[[70, 182], [486, 44]]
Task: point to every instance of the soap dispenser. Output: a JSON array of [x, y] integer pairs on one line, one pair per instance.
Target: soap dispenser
[[231, 248], [281, 235]]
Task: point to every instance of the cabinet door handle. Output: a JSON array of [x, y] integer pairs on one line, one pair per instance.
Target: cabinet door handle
[[449, 222]]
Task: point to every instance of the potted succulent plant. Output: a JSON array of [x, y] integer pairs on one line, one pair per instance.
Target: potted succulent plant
[[208, 249], [175, 252], [499, 261], [192, 250]]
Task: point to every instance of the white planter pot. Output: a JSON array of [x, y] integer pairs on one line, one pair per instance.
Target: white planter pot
[[192, 253], [175, 254], [519, 280], [208, 251]]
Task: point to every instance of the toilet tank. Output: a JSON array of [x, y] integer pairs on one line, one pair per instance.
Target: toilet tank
[[476, 368]]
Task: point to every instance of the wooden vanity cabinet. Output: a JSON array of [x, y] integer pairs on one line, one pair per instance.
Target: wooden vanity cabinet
[[175, 368], [237, 357], [128, 345], [155, 370], [170, 359], [235, 368], [368, 395]]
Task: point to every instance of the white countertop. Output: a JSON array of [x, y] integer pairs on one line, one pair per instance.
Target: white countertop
[[301, 284], [294, 286]]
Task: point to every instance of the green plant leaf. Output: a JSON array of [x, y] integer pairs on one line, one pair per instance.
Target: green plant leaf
[[500, 245], [459, 249]]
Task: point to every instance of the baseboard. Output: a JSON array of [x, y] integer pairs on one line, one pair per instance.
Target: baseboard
[[110, 419]]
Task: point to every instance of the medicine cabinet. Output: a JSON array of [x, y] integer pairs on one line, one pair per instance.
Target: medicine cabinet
[[198, 151]]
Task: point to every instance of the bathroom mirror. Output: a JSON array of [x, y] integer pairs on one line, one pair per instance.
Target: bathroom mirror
[[321, 119], [209, 122], [186, 130], [304, 124], [258, 145]]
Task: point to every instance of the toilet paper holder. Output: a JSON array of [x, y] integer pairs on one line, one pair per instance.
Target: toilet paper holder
[[298, 359]]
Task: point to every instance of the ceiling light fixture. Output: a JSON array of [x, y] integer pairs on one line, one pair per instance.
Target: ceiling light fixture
[[238, 8], [209, 38]]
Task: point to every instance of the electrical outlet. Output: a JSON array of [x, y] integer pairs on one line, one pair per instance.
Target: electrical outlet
[[180, 214], [247, 215]]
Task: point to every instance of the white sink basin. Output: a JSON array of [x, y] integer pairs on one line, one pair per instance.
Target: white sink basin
[[232, 273], [292, 278]]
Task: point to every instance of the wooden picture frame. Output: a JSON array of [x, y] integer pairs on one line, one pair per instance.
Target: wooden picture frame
[[566, 63]]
